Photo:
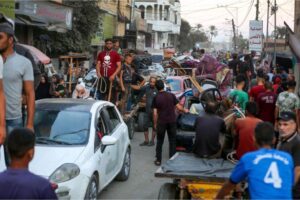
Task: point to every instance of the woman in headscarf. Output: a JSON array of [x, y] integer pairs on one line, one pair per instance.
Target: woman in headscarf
[[43, 90], [57, 89]]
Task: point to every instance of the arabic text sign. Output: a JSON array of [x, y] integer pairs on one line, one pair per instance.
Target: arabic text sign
[[255, 35]]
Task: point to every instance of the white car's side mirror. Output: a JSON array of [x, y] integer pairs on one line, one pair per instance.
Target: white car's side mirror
[[108, 140]]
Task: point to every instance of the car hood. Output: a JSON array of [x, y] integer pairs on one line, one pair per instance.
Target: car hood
[[47, 159]]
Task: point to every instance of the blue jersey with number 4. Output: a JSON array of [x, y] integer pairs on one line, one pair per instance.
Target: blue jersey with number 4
[[269, 173]]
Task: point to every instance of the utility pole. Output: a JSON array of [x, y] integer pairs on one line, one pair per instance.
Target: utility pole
[[275, 31], [257, 9], [268, 18], [234, 35]]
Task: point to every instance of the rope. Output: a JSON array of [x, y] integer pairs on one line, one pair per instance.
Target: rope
[[102, 82]]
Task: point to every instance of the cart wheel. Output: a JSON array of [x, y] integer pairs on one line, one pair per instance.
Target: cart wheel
[[141, 121], [168, 191], [130, 125]]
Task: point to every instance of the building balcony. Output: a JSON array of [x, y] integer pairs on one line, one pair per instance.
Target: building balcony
[[164, 26]]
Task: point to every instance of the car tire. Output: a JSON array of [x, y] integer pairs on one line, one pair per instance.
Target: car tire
[[168, 191], [141, 121], [125, 171], [130, 125], [92, 189]]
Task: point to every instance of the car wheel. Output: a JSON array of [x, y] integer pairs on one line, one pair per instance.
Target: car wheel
[[168, 191], [92, 189], [130, 125], [141, 121], [125, 171]]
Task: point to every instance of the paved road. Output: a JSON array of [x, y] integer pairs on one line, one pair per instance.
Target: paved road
[[141, 184]]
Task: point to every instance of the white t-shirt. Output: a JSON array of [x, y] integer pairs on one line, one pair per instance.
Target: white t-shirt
[[1, 67]]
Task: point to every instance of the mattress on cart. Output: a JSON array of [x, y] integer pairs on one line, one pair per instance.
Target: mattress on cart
[[189, 164]]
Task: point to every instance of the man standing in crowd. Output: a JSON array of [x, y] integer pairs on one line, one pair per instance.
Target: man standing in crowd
[[17, 182], [244, 69], [288, 101], [150, 91], [269, 172], [259, 88], [164, 119], [234, 63], [17, 76], [108, 67], [244, 130], [289, 141], [238, 95], [207, 143], [117, 47], [2, 105], [266, 104]]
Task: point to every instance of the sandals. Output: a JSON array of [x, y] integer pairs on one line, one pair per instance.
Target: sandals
[[157, 163]]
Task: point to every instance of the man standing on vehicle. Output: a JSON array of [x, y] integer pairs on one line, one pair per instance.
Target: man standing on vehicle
[[268, 172], [17, 76], [290, 142], [2, 105], [164, 119], [17, 182], [108, 68]]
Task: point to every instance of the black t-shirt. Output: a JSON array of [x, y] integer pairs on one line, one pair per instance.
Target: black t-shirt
[[243, 68], [233, 65], [292, 146], [208, 129], [165, 103], [136, 78], [130, 76]]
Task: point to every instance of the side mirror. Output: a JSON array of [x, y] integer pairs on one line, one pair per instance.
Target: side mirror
[[108, 140]]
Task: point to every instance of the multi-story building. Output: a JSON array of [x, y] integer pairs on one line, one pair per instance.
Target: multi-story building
[[115, 14], [165, 17], [51, 15]]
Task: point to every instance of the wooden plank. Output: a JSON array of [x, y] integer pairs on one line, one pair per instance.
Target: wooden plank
[[196, 84]]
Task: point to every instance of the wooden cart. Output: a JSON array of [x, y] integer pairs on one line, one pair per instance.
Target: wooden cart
[[190, 183], [73, 60]]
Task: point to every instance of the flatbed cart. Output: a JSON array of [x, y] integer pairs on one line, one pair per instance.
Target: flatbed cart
[[129, 119], [193, 178]]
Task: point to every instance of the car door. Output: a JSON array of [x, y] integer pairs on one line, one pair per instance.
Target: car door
[[101, 153], [108, 156], [118, 132]]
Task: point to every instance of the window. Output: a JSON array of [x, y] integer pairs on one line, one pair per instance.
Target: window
[[61, 127], [113, 117], [101, 130]]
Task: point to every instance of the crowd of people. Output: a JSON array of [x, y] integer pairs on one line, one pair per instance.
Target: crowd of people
[[266, 140]]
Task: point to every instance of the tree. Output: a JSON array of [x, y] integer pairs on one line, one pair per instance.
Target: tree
[[280, 32], [242, 43], [184, 40], [86, 18], [198, 27], [190, 36], [213, 32]]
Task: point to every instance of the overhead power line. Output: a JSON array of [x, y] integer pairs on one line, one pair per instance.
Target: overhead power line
[[248, 12]]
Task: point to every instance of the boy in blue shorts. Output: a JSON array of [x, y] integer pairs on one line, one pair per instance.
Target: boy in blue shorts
[[269, 172]]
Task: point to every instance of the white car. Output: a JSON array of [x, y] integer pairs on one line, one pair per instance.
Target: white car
[[81, 146]]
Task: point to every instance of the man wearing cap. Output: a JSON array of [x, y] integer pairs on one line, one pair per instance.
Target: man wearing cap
[[288, 101], [17, 76], [2, 105], [289, 141]]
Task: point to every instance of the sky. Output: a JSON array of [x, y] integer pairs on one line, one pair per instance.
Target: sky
[[221, 12]]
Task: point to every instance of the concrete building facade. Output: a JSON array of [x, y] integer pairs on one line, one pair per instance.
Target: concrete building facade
[[164, 15]]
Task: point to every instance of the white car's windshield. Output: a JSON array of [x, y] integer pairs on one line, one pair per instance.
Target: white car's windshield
[[61, 127]]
